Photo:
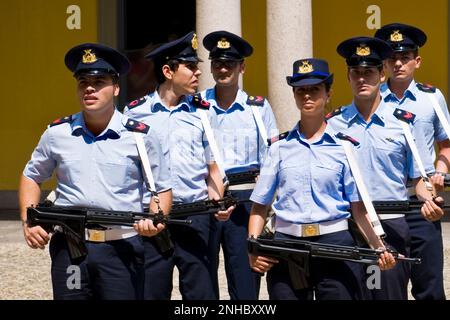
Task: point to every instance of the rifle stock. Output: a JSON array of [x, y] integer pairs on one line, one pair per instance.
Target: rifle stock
[[243, 177]]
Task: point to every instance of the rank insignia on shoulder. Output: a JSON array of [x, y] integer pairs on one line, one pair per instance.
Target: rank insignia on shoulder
[[426, 87], [277, 138], [61, 120], [333, 113], [255, 101], [137, 102], [404, 115], [342, 136], [199, 102], [136, 126]]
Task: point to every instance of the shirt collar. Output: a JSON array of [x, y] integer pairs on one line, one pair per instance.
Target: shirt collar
[[112, 130], [328, 135], [239, 102], [352, 114], [157, 104], [388, 95]]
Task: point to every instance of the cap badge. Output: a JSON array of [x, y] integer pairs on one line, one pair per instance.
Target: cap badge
[[363, 50], [89, 57], [396, 36], [194, 42], [223, 44], [306, 67]]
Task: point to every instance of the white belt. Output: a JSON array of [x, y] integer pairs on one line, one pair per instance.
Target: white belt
[[242, 187], [310, 229], [109, 235], [390, 216]]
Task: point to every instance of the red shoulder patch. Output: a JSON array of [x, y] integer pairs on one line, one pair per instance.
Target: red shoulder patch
[[61, 121], [136, 126], [277, 138], [135, 103], [199, 102], [426, 87], [333, 113], [255, 100]]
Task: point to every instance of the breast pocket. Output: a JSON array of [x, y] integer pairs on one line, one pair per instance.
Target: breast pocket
[[69, 171], [116, 175], [327, 177], [389, 157]]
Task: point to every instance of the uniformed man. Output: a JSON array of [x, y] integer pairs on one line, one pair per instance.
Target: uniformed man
[[195, 176], [308, 171], [97, 165], [402, 91], [384, 154], [242, 123]]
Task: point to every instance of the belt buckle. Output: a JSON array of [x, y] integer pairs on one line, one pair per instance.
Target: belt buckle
[[96, 235], [310, 230]]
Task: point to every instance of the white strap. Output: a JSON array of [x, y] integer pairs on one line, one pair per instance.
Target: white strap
[[260, 124], [440, 114], [142, 151], [415, 153], [354, 167], [212, 142]]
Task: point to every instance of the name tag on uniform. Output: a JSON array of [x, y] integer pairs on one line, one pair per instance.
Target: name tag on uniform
[[310, 230], [96, 235]]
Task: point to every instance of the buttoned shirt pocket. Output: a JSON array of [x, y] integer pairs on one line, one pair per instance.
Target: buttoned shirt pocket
[[69, 171], [390, 157], [116, 174], [327, 177], [294, 186]]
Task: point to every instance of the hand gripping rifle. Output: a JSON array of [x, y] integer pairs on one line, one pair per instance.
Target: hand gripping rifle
[[74, 220], [204, 207]]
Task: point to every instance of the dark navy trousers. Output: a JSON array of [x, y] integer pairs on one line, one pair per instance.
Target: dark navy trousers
[[231, 235], [190, 256], [427, 278], [329, 279], [111, 270], [394, 282]]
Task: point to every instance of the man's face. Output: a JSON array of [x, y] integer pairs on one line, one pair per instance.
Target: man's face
[[226, 72], [96, 93], [365, 81], [185, 78], [401, 65]]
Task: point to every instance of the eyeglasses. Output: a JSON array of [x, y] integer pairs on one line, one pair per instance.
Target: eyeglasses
[[227, 64]]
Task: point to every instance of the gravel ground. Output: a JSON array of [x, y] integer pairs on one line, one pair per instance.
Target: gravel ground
[[25, 273]]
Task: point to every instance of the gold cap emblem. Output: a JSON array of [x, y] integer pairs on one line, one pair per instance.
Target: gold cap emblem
[[306, 67], [89, 57], [396, 36], [363, 50], [223, 44], [194, 42]]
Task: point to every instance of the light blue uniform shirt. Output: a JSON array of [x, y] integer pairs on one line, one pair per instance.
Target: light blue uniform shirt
[[383, 155], [312, 181], [183, 138], [427, 122], [98, 172], [237, 134]]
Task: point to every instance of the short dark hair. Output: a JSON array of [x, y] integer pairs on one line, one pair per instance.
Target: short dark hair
[[173, 65]]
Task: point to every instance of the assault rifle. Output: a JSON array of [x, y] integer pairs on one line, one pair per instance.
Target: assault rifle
[[204, 207], [288, 249], [243, 177], [74, 220]]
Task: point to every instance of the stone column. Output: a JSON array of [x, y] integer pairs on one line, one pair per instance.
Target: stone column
[[214, 15], [289, 38]]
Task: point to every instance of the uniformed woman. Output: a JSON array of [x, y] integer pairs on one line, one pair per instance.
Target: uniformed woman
[[308, 171]]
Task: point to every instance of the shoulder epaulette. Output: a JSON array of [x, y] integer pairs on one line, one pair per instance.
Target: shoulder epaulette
[[255, 101], [342, 136], [61, 120], [277, 138], [199, 102], [136, 126], [135, 103], [426, 87], [333, 113], [404, 115]]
